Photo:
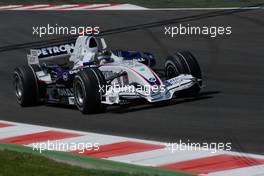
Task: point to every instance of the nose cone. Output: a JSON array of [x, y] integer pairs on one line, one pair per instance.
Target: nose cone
[[148, 75]]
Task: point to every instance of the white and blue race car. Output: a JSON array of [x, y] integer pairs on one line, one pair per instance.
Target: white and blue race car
[[93, 77]]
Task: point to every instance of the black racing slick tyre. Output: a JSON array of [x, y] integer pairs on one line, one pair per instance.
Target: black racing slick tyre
[[184, 63], [27, 88], [87, 87]]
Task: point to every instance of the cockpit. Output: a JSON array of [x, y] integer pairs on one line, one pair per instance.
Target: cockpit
[[92, 43], [87, 51]]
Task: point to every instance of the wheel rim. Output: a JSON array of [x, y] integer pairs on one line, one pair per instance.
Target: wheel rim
[[79, 93], [171, 72], [18, 86]]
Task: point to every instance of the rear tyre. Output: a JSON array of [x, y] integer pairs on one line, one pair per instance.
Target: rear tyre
[[42, 88], [87, 92], [26, 85], [184, 63]]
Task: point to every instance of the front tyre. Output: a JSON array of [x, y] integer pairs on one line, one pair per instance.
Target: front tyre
[[184, 63], [87, 94]]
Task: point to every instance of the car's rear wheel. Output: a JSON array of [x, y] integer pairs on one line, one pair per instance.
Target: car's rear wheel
[[87, 86], [28, 91], [184, 63]]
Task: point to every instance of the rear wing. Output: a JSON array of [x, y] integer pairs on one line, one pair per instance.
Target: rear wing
[[49, 53]]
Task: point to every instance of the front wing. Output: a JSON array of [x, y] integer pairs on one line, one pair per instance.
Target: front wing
[[179, 83]]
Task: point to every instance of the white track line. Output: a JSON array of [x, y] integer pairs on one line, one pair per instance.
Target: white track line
[[87, 139], [9, 6], [14, 131], [28, 7], [86, 6], [162, 157], [73, 7], [123, 7], [62, 7], [246, 171], [99, 135], [104, 136], [111, 7]]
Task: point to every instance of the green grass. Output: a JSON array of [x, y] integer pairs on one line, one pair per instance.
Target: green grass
[[24, 164], [150, 3], [19, 160]]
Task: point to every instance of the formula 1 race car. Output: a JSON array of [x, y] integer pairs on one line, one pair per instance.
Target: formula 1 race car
[[94, 77]]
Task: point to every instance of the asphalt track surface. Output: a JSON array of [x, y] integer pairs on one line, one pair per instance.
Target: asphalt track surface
[[230, 108]]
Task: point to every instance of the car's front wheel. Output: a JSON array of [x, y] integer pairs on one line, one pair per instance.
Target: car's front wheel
[[184, 63], [87, 86]]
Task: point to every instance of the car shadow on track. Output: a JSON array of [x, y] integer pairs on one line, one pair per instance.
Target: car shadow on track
[[140, 105], [52, 105], [143, 105]]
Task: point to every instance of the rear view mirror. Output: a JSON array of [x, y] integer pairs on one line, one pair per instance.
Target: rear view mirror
[[104, 46]]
